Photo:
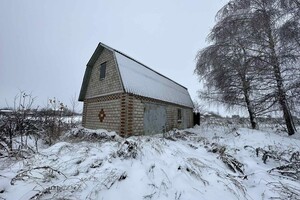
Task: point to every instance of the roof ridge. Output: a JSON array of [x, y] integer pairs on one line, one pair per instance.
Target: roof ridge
[[113, 49]]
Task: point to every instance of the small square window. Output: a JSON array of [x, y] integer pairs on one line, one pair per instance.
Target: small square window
[[179, 116], [102, 70]]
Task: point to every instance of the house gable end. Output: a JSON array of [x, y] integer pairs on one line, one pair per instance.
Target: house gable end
[[92, 85]]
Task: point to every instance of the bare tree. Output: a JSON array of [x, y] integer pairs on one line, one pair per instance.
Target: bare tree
[[198, 107], [228, 69], [52, 117], [74, 106], [265, 36], [18, 122]]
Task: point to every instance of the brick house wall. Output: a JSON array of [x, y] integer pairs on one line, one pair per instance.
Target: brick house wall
[[112, 81], [171, 117], [108, 106], [100, 94], [124, 113]]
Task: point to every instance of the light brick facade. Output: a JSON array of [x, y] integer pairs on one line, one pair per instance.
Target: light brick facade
[[111, 83], [108, 106], [111, 105], [124, 113], [171, 117]]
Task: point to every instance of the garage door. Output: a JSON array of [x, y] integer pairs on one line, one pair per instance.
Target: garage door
[[155, 116]]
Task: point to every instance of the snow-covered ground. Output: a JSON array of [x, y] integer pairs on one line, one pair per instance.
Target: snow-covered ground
[[205, 162]]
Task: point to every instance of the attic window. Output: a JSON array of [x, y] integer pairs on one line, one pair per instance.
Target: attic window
[[179, 116], [102, 71]]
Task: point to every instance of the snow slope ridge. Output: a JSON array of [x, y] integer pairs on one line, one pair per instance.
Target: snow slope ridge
[[200, 163]]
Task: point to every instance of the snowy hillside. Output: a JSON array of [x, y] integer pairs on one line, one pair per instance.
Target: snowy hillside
[[201, 163]]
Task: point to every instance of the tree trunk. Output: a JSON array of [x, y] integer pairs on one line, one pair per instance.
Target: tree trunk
[[249, 107], [10, 136], [251, 115], [279, 81], [283, 102]]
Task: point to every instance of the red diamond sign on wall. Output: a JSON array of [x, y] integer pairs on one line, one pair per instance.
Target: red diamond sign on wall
[[101, 115]]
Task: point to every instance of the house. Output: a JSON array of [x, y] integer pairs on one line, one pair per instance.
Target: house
[[123, 95]]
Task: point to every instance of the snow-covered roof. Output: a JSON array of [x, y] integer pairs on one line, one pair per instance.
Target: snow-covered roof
[[141, 80]]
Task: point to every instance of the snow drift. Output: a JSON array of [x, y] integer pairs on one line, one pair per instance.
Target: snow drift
[[199, 163]]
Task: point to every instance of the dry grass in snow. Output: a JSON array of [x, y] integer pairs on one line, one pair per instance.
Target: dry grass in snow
[[200, 163]]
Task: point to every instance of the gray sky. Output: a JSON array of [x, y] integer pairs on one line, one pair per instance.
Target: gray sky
[[45, 45]]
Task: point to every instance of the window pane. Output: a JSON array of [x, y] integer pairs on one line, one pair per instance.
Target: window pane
[[179, 115], [102, 70]]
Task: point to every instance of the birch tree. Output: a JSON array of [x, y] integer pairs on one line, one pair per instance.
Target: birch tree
[[227, 67], [268, 33]]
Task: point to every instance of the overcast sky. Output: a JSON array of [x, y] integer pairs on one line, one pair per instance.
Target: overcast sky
[[45, 45]]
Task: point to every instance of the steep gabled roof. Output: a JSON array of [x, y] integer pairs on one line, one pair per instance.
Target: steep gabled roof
[[141, 80]]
